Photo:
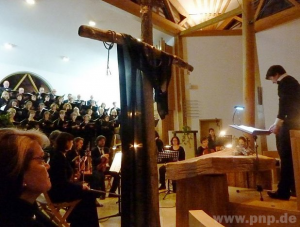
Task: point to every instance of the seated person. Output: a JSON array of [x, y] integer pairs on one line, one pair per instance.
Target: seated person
[[77, 158], [24, 176], [64, 190], [203, 149], [175, 146], [242, 147], [101, 162]]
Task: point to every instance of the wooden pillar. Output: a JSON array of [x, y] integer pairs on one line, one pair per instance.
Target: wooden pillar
[[180, 85], [147, 209], [248, 62]]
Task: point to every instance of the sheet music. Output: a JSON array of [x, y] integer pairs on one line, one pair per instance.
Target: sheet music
[[2, 107], [116, 164], [251, 130]]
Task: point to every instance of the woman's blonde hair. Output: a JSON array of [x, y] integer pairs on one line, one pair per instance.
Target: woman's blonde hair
[[15, 155]]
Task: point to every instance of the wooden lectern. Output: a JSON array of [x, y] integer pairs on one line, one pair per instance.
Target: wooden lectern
[[202, 181]]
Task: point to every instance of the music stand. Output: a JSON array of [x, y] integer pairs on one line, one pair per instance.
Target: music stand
[[116, 167], [254, 132], [165, 157]]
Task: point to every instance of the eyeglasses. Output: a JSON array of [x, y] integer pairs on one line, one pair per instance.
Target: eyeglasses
[[45, 158]]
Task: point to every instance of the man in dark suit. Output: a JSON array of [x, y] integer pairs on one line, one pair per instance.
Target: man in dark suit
[[101, 160], [288, 118]]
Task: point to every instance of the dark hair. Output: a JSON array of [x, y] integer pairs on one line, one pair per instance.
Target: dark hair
[[175, 137], [274, 70], [203, 138], [210, 129], [61, 141], [78, 139], [53, 135], [99, 138]]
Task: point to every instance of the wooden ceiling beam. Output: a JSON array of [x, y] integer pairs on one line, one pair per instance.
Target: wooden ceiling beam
[[181, 23], [169, 11], [294, 2], [238, 19], [212, 21], [159, 22], [277, 19], [215, 33], [260, 4], [182, 11], [224, 24]]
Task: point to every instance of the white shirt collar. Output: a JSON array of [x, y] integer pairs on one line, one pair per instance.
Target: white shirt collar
[[281, 76]]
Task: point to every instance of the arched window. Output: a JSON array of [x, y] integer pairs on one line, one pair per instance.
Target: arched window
[[28, 81]]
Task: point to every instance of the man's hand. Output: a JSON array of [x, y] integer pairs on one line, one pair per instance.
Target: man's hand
[[85, 187], [275, 128]]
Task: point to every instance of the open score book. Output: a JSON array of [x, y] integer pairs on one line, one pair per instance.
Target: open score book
[[251, 130]]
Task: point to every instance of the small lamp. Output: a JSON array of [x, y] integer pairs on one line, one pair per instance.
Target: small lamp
[[236, 110]]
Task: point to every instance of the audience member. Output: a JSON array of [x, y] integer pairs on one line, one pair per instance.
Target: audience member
[[24, 177]]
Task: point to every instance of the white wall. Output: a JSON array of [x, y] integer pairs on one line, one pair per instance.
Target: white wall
[[279, 45], [88, 79], [218, 72]]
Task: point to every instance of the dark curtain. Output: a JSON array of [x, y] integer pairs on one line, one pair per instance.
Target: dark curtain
[[136, 64]]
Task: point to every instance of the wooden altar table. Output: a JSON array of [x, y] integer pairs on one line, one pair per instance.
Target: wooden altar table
[[202, 181]]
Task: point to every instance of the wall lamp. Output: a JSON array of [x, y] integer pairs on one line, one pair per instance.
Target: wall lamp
[[237, 109]]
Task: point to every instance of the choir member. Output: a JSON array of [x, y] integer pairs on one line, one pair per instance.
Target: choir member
[[60, 123]]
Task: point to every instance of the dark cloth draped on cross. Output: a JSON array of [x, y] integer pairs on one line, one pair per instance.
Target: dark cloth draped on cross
[[158, 70], [135, 66]]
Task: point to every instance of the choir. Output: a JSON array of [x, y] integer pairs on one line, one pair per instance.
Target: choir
[[48, 112]]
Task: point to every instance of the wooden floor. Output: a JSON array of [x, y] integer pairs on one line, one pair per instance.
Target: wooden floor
[[245, 202]]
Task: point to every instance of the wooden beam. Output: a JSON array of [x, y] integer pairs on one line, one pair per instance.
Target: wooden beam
[[181, 23], [224, 24], [258, 9], [294, 2], [226, 5], [249, 62], [212, 21], [109, 36], [238, 19], [215, 33], [182, 11], [277, 19], [159, 22], [168, 10]]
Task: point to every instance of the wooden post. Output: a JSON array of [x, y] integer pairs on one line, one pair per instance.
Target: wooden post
[[147, 210], [295, 143], [248, 62]]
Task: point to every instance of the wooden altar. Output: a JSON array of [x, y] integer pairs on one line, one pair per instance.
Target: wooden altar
[[202, 181]]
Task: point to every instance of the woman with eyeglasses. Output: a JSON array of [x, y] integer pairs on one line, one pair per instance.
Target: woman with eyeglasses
[[24, 176], [65, 190]]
